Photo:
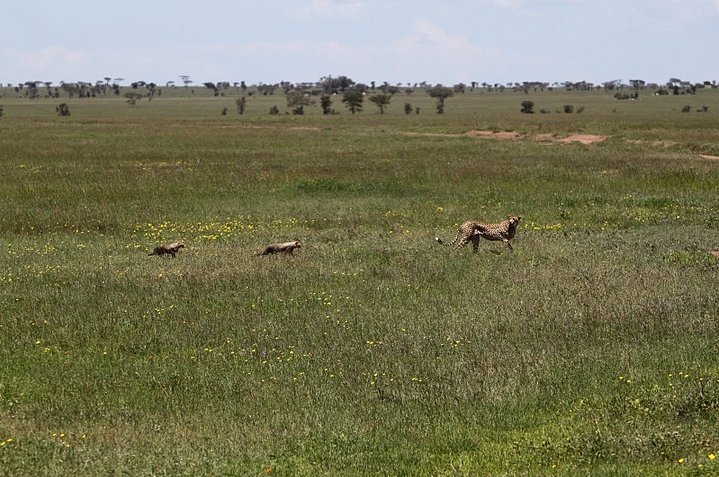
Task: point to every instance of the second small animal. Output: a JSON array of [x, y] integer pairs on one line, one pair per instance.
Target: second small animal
[[286, 247]]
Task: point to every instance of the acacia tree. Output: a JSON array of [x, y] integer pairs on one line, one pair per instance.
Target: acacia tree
[[297, 100], [441, 93], [353, 99], [240, 105], [326, 104], [381, 100]]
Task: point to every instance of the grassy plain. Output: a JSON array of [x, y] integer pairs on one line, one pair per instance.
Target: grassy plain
[[592, 349]]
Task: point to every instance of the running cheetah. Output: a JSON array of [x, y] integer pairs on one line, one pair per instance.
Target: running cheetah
[[472, 230]]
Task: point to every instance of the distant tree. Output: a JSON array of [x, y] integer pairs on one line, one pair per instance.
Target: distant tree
[[2, 110], [186, 80], [240, 105], [267, 89], [326, 104], [407, 108], [224, 112], [274, 110], [440, 93], [297, 100], [330, 85], [381, 100], [527, 107], [213, 87], [353, 99]]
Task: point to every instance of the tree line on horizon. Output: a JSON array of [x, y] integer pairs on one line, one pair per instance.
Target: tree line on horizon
[[300, 95], [335, 85]]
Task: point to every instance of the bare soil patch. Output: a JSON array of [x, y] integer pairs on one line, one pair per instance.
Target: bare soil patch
[[582, 138], [505, 135], [714, 252], [512, 135], [707, 156]]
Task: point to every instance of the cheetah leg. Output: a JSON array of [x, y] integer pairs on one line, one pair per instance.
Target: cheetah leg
[[475, 243], [461, 243], [509, 245]]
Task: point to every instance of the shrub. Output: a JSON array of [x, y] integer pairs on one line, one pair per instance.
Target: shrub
[[63, 109], [686, 109], [568, 108], [527, 107]]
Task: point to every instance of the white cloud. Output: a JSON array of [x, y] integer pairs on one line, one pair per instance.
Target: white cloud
[[332, 8], [44, 64], [508, 3]]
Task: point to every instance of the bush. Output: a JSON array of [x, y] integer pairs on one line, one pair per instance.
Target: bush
[[686, 109], [568, 108], [527, 107], [63, 109]]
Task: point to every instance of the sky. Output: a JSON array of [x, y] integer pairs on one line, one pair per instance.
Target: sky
[[448, 42]]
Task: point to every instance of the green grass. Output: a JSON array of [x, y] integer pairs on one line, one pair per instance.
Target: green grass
[[589, 350]]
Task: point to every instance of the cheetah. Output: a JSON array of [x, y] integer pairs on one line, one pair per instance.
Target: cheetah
[[472, 231], [171, 249], [287, 248]]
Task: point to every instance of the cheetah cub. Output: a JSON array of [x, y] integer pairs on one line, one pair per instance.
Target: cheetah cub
[[170, 249], [286, 248]]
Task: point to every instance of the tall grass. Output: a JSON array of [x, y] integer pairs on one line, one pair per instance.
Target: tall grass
[[589, 350]]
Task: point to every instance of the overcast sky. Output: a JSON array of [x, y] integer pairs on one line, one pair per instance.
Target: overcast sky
[[493, 41]]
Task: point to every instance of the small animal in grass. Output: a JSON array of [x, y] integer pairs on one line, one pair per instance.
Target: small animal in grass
[[286, 248], [171, 249], [472, 231]]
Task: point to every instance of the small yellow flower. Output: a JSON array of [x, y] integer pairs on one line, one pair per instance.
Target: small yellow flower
[[681, 461], [712, 456]]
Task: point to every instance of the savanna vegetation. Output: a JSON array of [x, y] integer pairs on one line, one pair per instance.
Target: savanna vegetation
[[591, 349]]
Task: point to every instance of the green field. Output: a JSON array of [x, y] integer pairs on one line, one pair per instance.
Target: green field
[[591, 349]]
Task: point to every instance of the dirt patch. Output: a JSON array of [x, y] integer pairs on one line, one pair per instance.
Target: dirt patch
[[658, 143], [505, 135], [707, 156], [582, 138], [714, 252], [512, 135], [289, 128]]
